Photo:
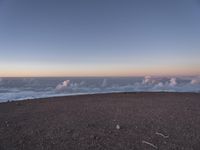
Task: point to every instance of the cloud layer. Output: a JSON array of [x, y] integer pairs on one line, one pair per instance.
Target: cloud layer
[[23, 88]]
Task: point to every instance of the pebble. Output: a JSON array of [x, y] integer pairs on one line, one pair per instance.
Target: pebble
[[7, 124], [69, 131], [75, 135], [92, 136], [117, 127]]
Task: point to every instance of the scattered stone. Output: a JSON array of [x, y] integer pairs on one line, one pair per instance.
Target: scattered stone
[[92, 136], [7, 124], [117, 127], [69, 131], [75, 135], [110, 132]]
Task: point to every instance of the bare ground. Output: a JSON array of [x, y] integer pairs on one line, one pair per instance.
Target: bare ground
[[123, 121]]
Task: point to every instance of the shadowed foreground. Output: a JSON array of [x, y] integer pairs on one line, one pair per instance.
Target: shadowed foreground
[[136, 121]]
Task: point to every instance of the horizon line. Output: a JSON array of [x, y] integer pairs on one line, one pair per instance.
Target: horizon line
[[106, 76]]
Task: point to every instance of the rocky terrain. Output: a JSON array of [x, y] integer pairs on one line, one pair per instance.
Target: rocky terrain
[[120, 121]]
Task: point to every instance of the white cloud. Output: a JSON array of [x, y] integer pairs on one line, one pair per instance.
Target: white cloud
[[63, 85], [172, 82], [160, 84], [148, 80], [195, 81]]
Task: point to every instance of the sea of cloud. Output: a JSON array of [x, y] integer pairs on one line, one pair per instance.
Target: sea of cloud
[[30, 88], [148, 83]]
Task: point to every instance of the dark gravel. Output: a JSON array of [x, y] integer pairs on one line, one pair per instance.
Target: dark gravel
[[168, 121]]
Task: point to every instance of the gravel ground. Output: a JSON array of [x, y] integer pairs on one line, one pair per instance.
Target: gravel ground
[[120, 121]]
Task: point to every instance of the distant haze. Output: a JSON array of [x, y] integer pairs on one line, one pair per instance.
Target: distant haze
[[99, 37]]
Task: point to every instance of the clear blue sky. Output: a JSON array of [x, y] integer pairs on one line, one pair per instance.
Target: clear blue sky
[[99, 37]]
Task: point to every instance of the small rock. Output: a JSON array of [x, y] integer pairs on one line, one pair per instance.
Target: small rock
[[75, 135], [7, 124], [110, 132], [117, 127], [69, 131], [92, 136]]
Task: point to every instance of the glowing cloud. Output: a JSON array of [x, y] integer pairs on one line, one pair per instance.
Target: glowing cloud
[[195, 81], [172, 82], [148, 80], [63, 85]]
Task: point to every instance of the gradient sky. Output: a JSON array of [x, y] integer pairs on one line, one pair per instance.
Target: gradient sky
[[99, 37]]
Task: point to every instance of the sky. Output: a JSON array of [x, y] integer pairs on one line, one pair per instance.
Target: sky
[[99, 37]]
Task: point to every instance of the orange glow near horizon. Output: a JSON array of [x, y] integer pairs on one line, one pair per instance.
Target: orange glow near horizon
[[109, 71], [79, 40]]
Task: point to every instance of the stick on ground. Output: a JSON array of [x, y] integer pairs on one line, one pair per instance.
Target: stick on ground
[[164, 136], [150, 144]]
